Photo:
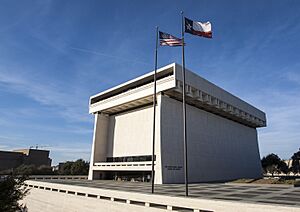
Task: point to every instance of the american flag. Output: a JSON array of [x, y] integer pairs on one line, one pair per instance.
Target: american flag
[[169, 40]]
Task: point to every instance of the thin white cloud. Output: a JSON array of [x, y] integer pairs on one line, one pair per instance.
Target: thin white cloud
[[294, 76], [9, 142], [70, 106], [281, 136], [62, 153], [89, 51]]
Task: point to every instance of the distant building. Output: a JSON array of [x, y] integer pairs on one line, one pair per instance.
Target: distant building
[[288, 162], [58, 167], [15, 158], [221, 131]]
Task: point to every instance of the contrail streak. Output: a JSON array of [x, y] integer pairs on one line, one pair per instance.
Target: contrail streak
[[107, 55]]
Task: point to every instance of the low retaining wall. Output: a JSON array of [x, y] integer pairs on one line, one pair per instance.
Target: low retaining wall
[[55, 177], [46, 197]]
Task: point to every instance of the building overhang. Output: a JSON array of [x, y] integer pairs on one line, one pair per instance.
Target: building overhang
[[199, 93], [123, 166]]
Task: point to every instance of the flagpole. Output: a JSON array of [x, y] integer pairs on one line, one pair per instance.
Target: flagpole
[[154, 113], [184, 112]]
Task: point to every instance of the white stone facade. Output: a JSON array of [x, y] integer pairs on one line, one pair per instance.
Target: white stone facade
[[221, 130]]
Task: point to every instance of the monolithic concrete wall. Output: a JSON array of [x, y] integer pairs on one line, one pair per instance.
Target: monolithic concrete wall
[[99, 153], [219, 149], [130, 133], [125, 134]]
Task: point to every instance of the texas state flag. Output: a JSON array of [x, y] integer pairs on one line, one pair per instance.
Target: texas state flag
[[198, 28]]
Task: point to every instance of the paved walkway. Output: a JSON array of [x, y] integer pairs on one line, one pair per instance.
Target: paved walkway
[[268, 194]]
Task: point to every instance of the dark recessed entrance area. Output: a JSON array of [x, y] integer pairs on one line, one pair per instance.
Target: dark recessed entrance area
[[134, 176]]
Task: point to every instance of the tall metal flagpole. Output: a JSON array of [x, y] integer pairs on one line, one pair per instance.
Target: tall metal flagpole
[[154, 113], [184, 112]]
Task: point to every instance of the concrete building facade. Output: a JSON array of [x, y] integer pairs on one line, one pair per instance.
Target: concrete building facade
[[221, 131], [13, 159]]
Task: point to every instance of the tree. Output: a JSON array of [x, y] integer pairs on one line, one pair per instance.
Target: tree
[[25, 170], [65, 168], [283, 167], [12, 191], [271, 169], [272, 164], [33, 170], [296, 162], [79, 167], [44, 170]]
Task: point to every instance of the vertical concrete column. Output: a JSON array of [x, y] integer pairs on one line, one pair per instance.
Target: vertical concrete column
[[99, 148], [171, 140], [158, 167]]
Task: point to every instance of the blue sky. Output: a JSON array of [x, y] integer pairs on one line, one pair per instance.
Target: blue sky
[[55, 54]]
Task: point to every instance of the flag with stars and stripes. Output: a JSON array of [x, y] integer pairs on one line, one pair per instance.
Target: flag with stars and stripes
[[169, 40]]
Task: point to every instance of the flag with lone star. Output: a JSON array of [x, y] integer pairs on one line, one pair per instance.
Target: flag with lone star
[[198, 28]]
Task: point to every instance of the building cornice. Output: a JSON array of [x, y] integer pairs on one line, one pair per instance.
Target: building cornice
[[199, 92]]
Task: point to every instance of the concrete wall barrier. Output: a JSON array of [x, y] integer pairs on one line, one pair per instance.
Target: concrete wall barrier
[[58, 177], [45, 196]]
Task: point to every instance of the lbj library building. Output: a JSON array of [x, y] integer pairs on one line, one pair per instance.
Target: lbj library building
[[221, 131]]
